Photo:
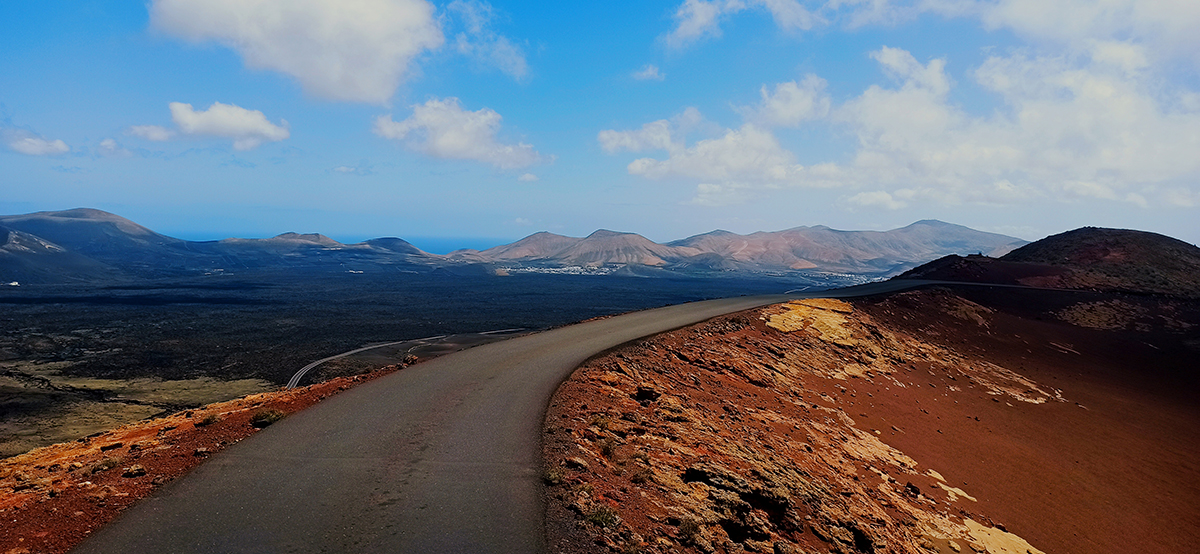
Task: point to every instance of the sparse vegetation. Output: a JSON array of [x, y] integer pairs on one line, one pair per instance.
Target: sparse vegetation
[[208, 420], [608, 447], [643, 475], [553, 477], [689, 529], [263, 418], [602, 515], [600, 422]]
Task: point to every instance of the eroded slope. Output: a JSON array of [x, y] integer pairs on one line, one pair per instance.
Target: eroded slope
[[919, 423]]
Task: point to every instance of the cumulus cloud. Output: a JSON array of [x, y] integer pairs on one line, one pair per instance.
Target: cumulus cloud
[[1067, 131], [745, 154], [649, 73], [1165, 29], [25, 142], [790, 104], [152, 132], [484, 45], [655, 135], [247, 128], [664, 134], [528, 178], [355, 50], [110, 147], [443, 129], [699, 19]]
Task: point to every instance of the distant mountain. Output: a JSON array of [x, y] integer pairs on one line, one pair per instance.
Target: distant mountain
[[601, 248], [825, 249], [1087, 258], [26, 258], [93, 245]]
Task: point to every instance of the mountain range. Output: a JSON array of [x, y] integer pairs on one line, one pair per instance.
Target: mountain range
[[88, 245]]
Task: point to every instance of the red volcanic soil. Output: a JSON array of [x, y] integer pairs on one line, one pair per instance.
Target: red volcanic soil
[[1116, 467], [52, 498], [1065, 419]]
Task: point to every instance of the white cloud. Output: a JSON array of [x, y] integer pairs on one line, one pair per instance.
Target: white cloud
[[1165, 28], [741, 155], [528, 178], [247, 128], [696, 19], [152, 132], [663, 134], [648, 73], [708, 194], [483, 44], [655, 135], [353, 170], [25, 142], [110, 147], [699, 19], [879, 198], [790, 104], [523, 222], [442, 129], [356, 50], [790, 15], [1068, 131], [1182, 198]]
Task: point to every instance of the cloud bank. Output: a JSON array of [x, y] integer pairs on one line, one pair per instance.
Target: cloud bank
[[1067, 131]]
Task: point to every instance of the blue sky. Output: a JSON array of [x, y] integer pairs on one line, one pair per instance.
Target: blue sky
[[485, 122]]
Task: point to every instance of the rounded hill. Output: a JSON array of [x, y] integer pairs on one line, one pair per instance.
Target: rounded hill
[[1122, 259]]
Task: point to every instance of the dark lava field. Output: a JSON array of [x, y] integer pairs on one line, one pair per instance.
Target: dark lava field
[[267, 325]]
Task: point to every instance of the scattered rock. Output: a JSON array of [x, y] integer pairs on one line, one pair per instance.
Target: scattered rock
[[576, 463], [135, 470]]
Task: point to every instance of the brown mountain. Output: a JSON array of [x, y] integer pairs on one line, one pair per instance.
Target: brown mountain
[[1086, 258], [122, 247], [822, 248]]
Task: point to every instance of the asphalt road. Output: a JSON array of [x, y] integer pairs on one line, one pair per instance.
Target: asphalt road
[[441, 457]]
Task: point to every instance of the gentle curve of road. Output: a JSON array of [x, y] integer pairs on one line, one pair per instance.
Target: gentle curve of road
[[442, 457]]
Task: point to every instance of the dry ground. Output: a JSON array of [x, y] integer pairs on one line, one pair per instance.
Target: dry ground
[[932, 421]]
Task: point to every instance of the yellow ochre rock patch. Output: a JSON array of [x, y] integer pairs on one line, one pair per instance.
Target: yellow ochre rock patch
[[825, 317]]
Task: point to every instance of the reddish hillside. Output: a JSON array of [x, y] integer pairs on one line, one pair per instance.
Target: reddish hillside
[[1089, 258], [948, 421]]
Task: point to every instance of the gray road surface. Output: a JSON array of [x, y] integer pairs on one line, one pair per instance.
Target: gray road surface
[[442, 457]]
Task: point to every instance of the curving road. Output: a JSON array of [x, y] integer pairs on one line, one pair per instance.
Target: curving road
[[441, 457]]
